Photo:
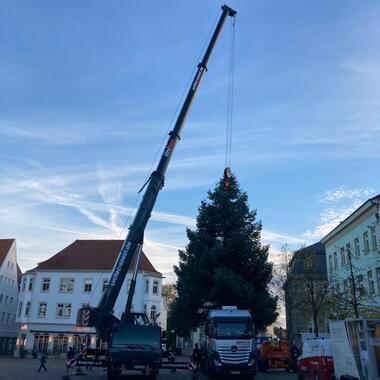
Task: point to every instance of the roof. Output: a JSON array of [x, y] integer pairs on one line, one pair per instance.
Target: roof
[[5, 246], [317, 249], [368, 204], [91, 255]]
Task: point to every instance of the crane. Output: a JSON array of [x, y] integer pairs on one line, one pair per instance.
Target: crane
[[130, 344]]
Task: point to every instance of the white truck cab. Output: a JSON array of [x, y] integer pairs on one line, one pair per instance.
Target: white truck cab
[[228, 342]]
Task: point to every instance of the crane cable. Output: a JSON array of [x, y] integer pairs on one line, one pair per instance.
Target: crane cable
[[230, 105]]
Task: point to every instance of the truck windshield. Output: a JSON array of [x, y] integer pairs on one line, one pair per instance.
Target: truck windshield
[[233, 330]]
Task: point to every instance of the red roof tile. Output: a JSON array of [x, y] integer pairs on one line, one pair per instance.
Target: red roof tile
[[87, 255], [5, 246]]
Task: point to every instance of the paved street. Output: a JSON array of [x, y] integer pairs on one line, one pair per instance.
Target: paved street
[[25, 369]]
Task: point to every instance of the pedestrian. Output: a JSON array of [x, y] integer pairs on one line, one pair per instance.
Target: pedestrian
[[70, 353], [195, 361], [196, 356], [171, 358], [295, 352], [42, 362]]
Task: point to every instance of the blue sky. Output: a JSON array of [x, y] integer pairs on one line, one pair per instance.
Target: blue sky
[[88, 89]]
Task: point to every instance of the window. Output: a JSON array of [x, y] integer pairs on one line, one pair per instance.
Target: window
[[9, 318], [330, 263], [378, 279], [359, 283], [27, 309], [145, 309], [12, 266], [348, 249], [374, 239], [45, 284], [342, 256], [146, 286], [19, 309], [66, 285], [41, 342], [13, 282], [8, 265], [1, 298], [23, 284], [357, 248], [371, 283], [366, 242], [1, 279], [153, 312], [87, 285], [30, 287], [335, 260], [6, 299], [42, 310], [63, 310], [3, 317], [11, 301], [105, 284], [155, 286]]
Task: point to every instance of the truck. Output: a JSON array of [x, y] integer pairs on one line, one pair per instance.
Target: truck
[[316, 361], [228, 343], [356, 348], [274, 354], [133, 343]]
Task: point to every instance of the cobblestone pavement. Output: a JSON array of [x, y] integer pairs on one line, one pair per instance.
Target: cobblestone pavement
[[25, 369]]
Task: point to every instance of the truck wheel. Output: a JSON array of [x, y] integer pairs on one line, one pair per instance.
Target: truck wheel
[[300, 376]]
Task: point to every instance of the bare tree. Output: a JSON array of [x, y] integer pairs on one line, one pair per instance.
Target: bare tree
[[352, 299], [316, 290], [170, 292], [302, 284]]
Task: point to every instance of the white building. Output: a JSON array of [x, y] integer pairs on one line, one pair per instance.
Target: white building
[[52, 293], [357, 239], [9, 274]]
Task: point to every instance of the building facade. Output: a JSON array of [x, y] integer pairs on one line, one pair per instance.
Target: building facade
[[307, 269], [353, 258], [9, 275], [52, 293]]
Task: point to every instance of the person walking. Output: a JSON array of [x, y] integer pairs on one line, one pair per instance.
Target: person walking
[[42, 362], [195, 361]]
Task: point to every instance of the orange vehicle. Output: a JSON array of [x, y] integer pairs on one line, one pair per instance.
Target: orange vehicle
[[275, 354]]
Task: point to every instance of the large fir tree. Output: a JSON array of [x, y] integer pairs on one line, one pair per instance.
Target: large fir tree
[[224, 262]]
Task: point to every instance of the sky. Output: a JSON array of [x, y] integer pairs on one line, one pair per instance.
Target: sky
[[88, 90]]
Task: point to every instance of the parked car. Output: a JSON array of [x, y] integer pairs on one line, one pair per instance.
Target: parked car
[[316, 361]]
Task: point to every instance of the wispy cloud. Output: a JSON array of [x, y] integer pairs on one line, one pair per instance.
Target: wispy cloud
[[341, 201], [343, 192]]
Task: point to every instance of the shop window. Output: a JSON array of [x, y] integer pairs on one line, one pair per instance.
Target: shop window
[[41, 342]]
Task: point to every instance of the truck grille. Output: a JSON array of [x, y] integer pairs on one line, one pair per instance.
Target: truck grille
[[234, 354]]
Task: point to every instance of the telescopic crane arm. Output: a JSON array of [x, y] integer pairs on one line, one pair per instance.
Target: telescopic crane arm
[[103, 312]]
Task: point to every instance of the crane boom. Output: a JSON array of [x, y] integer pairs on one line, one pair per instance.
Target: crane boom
[[102, 313]]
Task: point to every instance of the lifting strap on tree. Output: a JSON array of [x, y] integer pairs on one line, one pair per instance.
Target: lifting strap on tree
[[230, 98]]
